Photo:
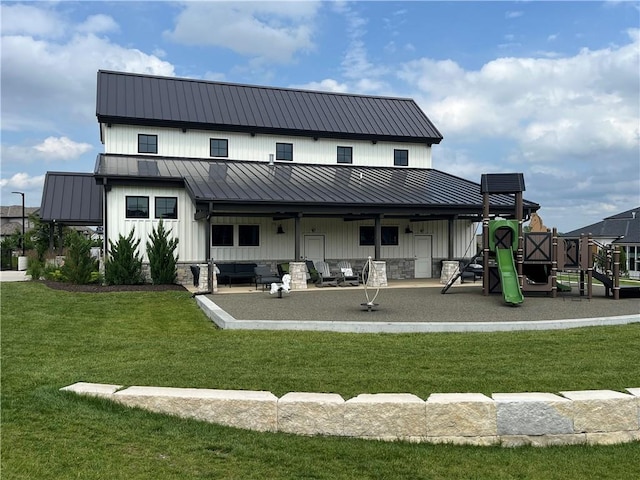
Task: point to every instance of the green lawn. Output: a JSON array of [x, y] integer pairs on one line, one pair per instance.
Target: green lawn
[[50, 339]]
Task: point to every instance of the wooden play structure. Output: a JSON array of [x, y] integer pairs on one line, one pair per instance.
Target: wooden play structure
[[516, 263]]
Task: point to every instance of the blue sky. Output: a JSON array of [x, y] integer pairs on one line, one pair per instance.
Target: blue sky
[[550, 89]]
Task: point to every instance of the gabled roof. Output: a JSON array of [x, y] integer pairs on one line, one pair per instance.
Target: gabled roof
[[15, 211], [71, 199], [234, 185], [624, 226], [186, 103]]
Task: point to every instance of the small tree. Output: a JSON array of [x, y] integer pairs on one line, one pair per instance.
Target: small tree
[[124, 265], [162, 258], [79, 266]]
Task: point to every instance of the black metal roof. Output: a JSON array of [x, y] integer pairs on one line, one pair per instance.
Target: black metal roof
[[502, 183], [71, 199], [188, 103], [235, 185], [624, 226]]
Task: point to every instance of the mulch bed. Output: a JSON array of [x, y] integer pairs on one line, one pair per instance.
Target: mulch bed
[[95, 288]]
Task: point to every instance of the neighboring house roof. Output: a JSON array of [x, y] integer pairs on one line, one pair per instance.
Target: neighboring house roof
[[624, 227], [132, 99], [15, 211], [71, 199], [234, 185], [10, 228]]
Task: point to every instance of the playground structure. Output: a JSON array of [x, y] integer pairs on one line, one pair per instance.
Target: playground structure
[[516, 263]]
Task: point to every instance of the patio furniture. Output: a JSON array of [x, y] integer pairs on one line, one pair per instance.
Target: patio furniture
[[264, 276], [348, 275], [236, 273], [325, 276]]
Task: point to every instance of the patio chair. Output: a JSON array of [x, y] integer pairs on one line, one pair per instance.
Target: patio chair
[[312, 273], [325, 278], [348, 275], [264, 276]]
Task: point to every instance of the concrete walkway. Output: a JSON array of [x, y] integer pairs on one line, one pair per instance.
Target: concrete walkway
[[410, 306], [13, 276]]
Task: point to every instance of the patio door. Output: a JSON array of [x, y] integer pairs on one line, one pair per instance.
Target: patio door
[[314, 247], [422, 256]]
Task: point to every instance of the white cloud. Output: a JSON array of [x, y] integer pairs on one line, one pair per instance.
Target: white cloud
[[20, 19], [513, 14], [326, 85], [98, 24], [62, 148], [270, 31], [22, 181]]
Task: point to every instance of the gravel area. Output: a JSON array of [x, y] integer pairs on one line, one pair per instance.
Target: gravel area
[[464, 303]]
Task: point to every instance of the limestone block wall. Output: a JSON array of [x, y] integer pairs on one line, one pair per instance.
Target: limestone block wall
[[507, 419]]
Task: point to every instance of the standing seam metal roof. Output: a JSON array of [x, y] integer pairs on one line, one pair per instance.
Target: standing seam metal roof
[[236, 181], [145, 99], [71, 198]]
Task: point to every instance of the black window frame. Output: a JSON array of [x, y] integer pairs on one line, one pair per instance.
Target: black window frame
[[284, 151], [129, 210], [145, 146], [390, 236], [400, 157], [342, 156], [249, 235], [218, 148], [222, 235], [172, 216]]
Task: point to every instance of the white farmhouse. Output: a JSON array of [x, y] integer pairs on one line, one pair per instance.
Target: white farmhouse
[[243, 173]]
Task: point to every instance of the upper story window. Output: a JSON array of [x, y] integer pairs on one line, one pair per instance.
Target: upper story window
[[147, 143], [284, 151], [137, 207], [401, 158], [166, 207], [345, 155], [219, 147]]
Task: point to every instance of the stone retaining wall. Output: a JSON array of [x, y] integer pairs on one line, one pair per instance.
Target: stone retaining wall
[[507, 419]]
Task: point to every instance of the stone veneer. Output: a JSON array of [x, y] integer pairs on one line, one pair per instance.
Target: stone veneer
[[507, 419]]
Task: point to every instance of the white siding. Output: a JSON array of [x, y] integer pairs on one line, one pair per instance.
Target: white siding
[[190, 234], [342, 239], [123, 139]]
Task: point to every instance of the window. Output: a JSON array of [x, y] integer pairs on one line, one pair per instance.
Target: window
[[222, 235], [401, 158], [137, 207], [345, 155], [248, 235], [284, 151], [389, 236], [166, 207], [219, 147], [147, 143]]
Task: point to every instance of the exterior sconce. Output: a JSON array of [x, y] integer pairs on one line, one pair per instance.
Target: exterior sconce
[[408, 230], [280, 231]]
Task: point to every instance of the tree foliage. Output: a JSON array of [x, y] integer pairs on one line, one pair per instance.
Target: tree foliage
[[79, 266], [162, 258], [123, 265]]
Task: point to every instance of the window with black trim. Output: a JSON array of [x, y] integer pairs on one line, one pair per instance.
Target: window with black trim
[[137, 207], [166, 207], [249, 235], [345, 154], [219, 147], [284, 151], [222, 235], [147, 143], [389, 236], [401, 158]]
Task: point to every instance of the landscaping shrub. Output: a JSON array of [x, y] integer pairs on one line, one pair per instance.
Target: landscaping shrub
[[124, 265], [162, 258], [79, 266]]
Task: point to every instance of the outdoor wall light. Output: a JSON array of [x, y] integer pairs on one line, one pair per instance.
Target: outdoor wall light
[[280, 231], [408, 230]]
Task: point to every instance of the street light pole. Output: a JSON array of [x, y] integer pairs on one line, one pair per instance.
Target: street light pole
[[23, 221]]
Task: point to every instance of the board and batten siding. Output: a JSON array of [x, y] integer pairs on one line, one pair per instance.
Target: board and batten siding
[[190, 233], [123, 139], [341, 239]]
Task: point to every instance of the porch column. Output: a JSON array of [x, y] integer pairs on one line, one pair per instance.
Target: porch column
[[450, 244], [297, 237], [377, 234]]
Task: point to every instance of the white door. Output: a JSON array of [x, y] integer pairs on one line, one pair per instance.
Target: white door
[[314, 247], [422, 253]]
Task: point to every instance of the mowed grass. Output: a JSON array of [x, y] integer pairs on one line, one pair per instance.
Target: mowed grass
[[51, 339]]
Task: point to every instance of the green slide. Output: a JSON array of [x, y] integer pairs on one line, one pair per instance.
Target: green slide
[[508, 276]]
